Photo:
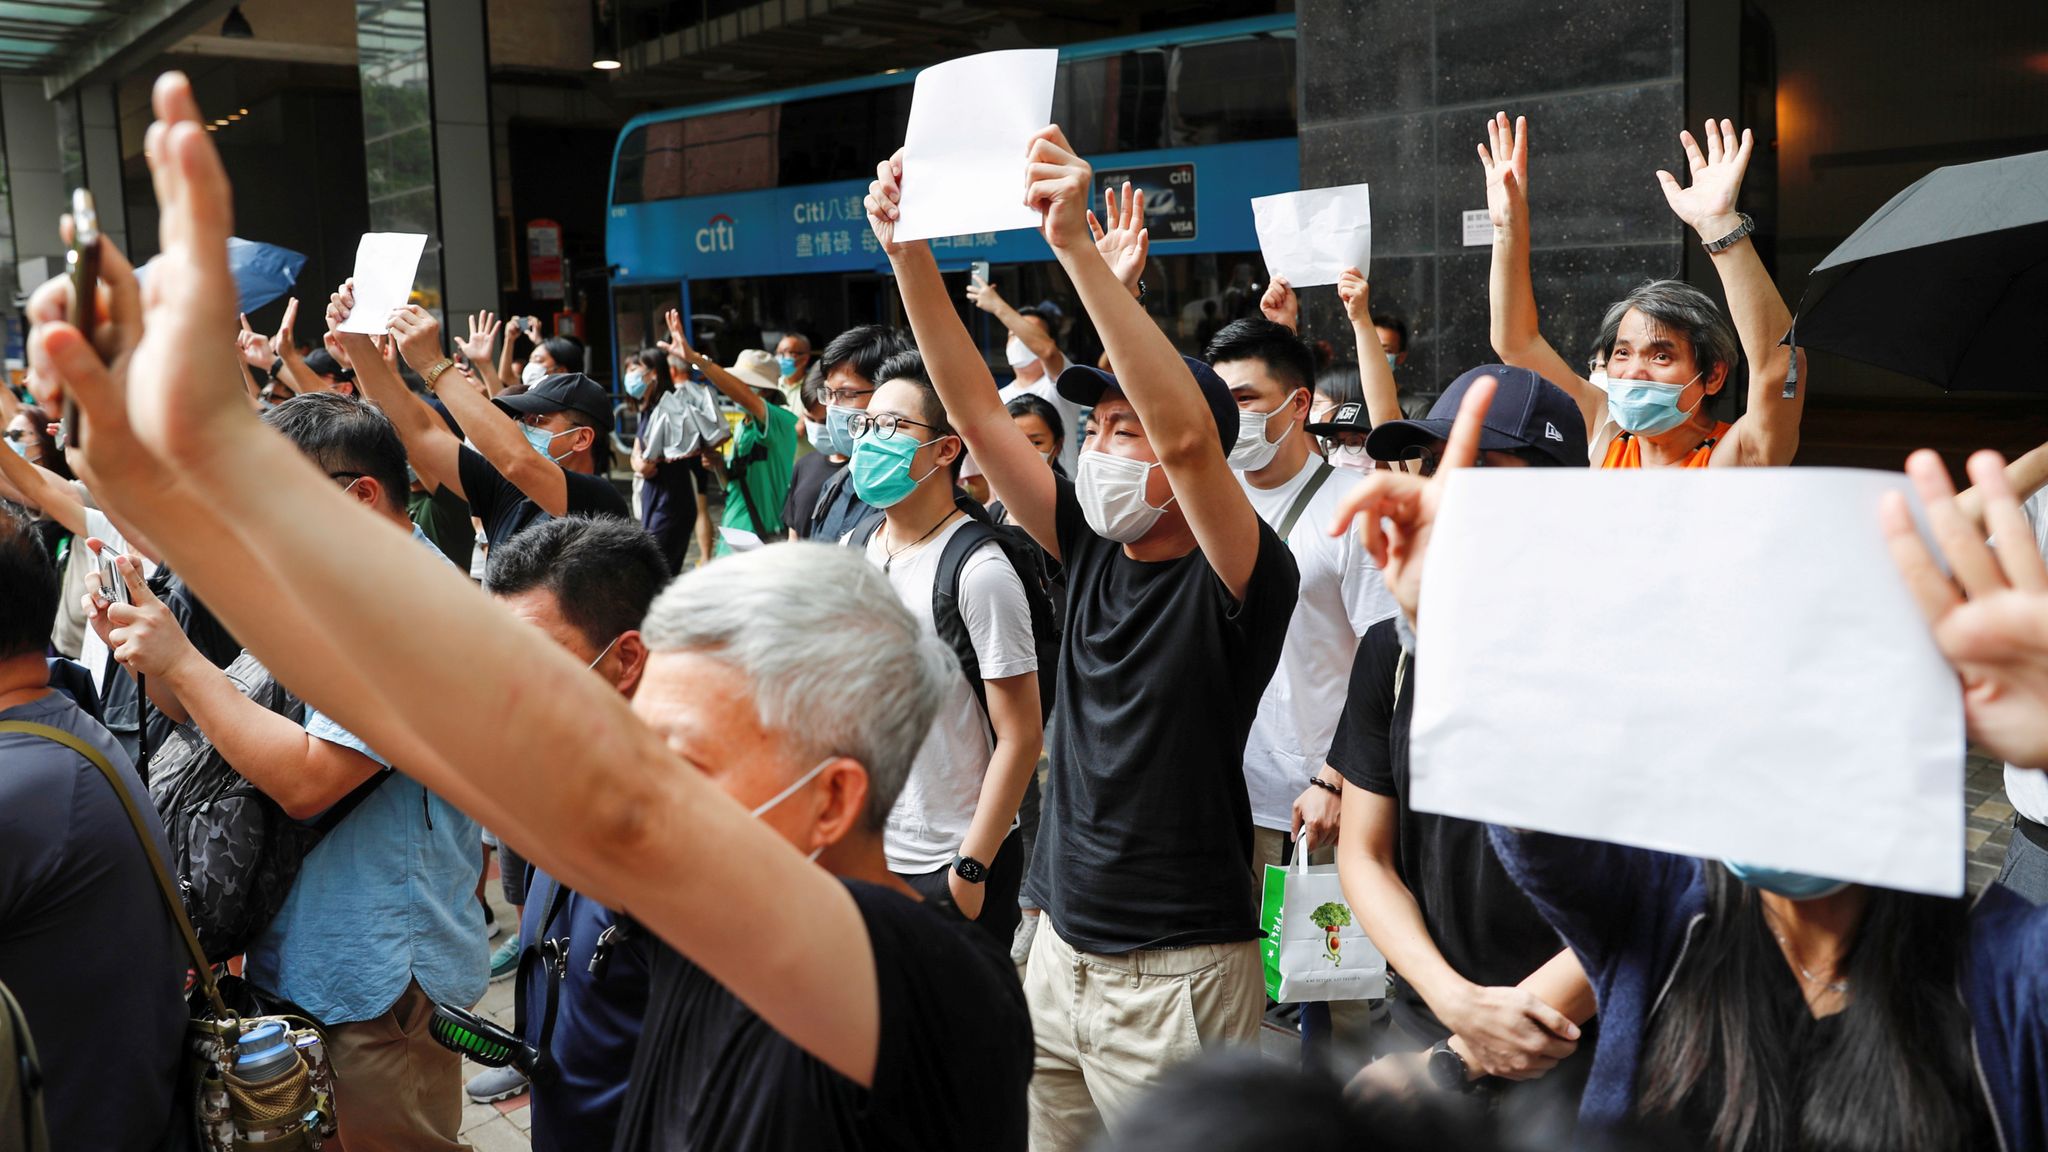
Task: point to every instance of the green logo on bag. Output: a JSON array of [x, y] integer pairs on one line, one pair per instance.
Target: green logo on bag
[[1330, 917]]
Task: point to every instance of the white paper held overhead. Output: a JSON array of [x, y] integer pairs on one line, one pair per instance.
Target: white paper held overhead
[[1311, 237], [739, 539], [386, 263], [1722, 664], [971, 121]]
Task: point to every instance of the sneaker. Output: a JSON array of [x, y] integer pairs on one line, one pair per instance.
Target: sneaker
[[505, 960], [495, 1084]]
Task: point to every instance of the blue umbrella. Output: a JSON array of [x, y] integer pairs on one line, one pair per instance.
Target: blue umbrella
[[263, 272]]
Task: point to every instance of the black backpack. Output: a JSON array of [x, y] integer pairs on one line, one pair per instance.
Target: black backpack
[[234, 850], [1030, 563], [21, 1082]]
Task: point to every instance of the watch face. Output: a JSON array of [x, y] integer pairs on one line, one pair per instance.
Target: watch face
[[970, 869], [1446, 1068]]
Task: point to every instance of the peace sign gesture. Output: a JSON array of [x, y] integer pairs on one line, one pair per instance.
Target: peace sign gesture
[[1400, 508]]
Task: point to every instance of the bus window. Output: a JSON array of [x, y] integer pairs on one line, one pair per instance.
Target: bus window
[[1232, 90], [841, 137]]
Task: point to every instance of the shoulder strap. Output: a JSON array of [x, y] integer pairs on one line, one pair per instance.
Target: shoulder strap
[[946, 619], [26, 1075], [864, 532], [164, 883], [339, 810], [1307, 493]]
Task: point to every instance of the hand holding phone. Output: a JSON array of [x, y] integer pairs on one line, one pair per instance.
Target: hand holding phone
[[83, 263], [113, 588]]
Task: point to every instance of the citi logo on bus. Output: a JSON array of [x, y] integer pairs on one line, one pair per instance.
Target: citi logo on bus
[[718, 235]]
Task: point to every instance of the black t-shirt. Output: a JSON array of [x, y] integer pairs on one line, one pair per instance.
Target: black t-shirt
[[809, 479], [86, 943], [1146, 838], [505, 510], [955, 1054], [1487, 930]]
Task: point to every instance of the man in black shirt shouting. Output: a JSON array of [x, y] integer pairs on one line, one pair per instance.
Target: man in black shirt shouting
[[1178, 598]]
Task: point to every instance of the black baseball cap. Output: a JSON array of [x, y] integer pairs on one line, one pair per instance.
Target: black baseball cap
[[562, 392], [1528, 414], [1344, 418], [1084, 385], [322, 363]]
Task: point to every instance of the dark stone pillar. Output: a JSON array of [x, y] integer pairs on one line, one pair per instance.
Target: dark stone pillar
[[1396, 93]]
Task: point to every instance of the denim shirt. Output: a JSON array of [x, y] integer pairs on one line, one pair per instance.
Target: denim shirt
[[386, 898]]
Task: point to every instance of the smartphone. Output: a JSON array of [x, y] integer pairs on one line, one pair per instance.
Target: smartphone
[[83, 262], [979, 270], [113, 589]]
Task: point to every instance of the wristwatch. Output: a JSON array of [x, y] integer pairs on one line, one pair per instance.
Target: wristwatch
[[1447, 1069], [1716, 247], [434, 373], [969, 869]]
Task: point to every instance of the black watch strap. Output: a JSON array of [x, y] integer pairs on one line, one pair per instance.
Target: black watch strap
[[1448, 1070]]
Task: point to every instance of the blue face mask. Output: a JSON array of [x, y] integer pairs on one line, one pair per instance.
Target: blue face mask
[[1393, 359], [543, 441], [839, 429], [881, 468], [786, 365], [21, 446], [636, 384], [1645, 407], [1790, 885], [820, 436]]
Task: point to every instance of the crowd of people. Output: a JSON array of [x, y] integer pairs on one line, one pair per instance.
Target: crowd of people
[[923, 803]]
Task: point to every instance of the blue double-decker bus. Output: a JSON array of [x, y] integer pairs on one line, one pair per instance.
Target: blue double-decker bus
[[746, 213]]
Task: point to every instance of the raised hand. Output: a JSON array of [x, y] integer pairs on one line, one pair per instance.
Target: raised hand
[[983, 295], [419, 336], [483, 336], [677, 346], [1059, 184], [1399, 509], [1708, 206], [1505, 156], [1281, 305], [884, 205], [1356, 295], [1126, 243], [255, 350], [1990, 611], [281, 345]]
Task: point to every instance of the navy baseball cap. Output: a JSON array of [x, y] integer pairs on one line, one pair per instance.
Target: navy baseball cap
[[1084, 385], [562, 392], [1528, 414]]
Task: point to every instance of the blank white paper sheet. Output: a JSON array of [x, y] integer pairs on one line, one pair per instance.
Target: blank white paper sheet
[[1311, 237], [971, 121], [386, 263], [1722, 664]]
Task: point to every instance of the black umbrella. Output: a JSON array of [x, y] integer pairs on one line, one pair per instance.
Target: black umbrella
[[1947, 283]]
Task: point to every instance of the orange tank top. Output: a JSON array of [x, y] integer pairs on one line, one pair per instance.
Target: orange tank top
[[1624, 452]]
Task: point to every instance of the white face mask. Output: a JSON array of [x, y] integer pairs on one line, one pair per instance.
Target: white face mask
[[795, 787], [1018, 354], [1253, 451], [533, 373], [1111, 490], [1355, 459], [1050, 456], [819, 435]]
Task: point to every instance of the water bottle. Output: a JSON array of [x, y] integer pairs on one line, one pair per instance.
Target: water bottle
[[268, 1107]]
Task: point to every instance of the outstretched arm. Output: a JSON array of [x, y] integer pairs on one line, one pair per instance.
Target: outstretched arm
[[483, 330], [1768, 433], [495, 434], [1511, 291], [1150, 371], [517, 733], [1382, 395], [430, 448], [43, 490], [1016, 473], [2025, 476], [735, 389]]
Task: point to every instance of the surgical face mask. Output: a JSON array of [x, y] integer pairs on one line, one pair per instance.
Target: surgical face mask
[[1051, 456], [881, 468], [1645, 407], [543, 441], [1353, 458], [636, 384], [533, 373], [1018, 354], [1253, 451], [839, 430], [795, 787], [21, 446], [1111, 490], [1393, 359], [786, 365], [1790, 885], [820, 436]]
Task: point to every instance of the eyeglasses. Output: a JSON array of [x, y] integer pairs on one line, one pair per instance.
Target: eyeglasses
[[883, 424], [19, 434], [840, 396]]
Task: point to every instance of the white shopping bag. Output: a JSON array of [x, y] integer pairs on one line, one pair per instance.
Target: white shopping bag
[[1314, 948]]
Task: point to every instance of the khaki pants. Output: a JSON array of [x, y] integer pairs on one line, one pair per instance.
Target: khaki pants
[[394, 1087], [1269, 846], [1108, 1026]]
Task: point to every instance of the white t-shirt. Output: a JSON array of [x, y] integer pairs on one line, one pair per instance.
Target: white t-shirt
[[932, 816], [1342, 595], [92, 651], [2027, 788], [1073, 415]]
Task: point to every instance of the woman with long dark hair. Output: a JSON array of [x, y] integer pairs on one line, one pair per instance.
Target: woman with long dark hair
[[668, 499]]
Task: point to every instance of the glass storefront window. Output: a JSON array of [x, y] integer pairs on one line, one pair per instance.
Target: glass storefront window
[[398, 128]]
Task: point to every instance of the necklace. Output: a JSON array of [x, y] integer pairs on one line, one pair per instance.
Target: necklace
[[890, 559], [1827, 985]]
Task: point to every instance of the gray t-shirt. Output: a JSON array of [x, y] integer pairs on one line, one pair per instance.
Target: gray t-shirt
[[86, 943]]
